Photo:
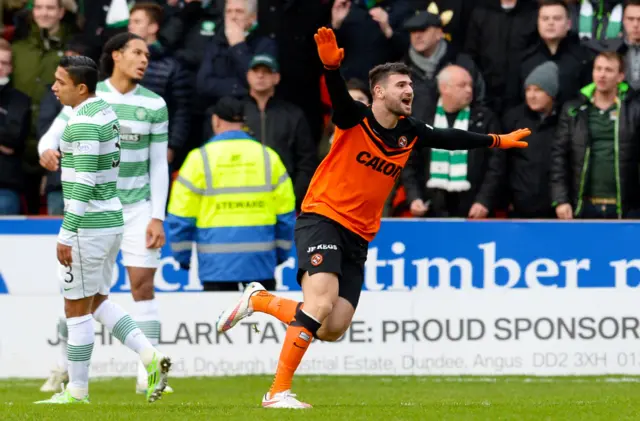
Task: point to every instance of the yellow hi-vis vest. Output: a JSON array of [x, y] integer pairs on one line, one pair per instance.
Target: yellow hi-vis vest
[[234, 199]]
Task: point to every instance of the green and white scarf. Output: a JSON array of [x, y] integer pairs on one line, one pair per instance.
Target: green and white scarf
[[449, 168], [585, 24]]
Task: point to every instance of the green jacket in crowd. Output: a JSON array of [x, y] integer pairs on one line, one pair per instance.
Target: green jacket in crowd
[[35, 60], [571, 154]]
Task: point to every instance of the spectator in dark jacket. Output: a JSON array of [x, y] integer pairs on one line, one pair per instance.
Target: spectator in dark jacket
[[164, 76], [188, 30], [523, 175], [428, 54], [445, 183], [226, 60], [292, 25], [558, 44], [95, 28], [35, 59], [280, 125], [595, 158], [498, 31], [370, 33], [15, 115]]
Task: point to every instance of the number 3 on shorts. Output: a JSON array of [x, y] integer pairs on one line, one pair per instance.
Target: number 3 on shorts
[[69, 281], [68, 275]]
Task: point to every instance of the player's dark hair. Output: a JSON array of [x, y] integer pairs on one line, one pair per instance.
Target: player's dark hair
[[115, 43], [381, 72], [563, 3], [82, 70]]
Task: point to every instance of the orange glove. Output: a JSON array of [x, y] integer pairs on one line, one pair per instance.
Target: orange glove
[[330, 55], [511, 140]]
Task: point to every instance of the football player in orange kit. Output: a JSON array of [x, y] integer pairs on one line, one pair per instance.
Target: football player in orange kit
[[342, 210]]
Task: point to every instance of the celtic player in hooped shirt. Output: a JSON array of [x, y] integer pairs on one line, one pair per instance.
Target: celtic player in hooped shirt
[[143, 179], [91, 232]]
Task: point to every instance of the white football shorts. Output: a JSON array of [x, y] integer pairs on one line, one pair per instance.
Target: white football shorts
[[92, 262], [134, 249]]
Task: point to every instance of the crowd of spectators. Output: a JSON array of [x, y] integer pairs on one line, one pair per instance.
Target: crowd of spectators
[[568, 70]]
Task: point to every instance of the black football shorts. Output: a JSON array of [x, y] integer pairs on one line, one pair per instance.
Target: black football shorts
[[323, 245]]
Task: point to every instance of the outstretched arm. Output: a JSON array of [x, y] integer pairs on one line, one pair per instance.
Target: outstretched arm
[[346, 112], [455, 139]]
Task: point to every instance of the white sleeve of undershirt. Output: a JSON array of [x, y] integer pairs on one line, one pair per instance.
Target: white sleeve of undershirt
[[158, 164], [51, 139]]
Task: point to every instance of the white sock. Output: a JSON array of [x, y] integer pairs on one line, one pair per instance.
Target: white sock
[[63, 336], [147, 317], [122, 326], [79, 349]]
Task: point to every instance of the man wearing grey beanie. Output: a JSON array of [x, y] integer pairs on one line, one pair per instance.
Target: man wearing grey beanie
[[526, 172], [545, 76]]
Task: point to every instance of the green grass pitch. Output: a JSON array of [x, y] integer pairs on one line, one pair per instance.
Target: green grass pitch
[[344, 398]]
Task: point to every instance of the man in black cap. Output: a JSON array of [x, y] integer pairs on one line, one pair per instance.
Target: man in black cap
[[461, 10], [280, 124], [429, 53], [234, 199], [227, 111]]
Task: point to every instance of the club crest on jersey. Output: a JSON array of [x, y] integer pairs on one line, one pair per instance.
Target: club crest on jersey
[[141, 113], [402, 141], [316, 259]]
